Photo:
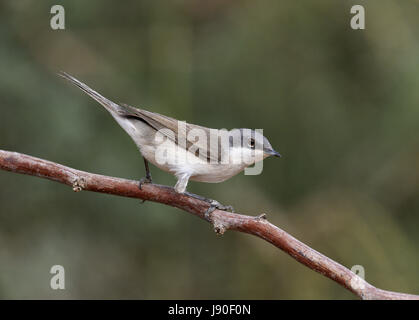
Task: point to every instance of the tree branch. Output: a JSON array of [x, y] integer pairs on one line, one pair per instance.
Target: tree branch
[[221, 220]]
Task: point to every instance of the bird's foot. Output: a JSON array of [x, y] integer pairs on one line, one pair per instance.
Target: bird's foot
[[144, 180], [214, 204]]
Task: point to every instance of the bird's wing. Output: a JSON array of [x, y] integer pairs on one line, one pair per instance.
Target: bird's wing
[[176, 132]]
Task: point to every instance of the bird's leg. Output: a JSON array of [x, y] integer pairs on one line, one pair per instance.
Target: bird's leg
[[147, 178], [214, 204], [182, 182]]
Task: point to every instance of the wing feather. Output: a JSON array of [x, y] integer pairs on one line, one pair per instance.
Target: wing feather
[[212, 152]]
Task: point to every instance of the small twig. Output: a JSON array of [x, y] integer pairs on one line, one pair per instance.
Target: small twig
[[221, 220]]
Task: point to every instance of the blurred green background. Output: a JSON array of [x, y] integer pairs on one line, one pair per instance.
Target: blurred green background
[[341, 105]]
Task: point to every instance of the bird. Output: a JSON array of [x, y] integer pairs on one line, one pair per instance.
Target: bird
[[172, 145]]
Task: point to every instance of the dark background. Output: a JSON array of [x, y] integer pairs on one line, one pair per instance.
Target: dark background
[[341, 105]]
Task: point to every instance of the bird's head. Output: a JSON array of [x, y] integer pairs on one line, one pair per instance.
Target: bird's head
[[250, 146]]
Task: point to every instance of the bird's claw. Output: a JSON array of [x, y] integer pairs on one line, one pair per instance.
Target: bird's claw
[[143, 181], [214, 204]]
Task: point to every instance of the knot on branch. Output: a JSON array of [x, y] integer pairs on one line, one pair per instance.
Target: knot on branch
[[219, 228], [262, 216], [79, 184]]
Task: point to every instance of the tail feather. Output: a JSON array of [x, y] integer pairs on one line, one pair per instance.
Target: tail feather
[[108, 104]]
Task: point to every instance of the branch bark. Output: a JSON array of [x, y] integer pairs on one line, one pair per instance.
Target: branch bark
[[258, 226]]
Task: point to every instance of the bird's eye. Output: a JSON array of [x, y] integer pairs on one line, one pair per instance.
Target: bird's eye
[[252, 143]]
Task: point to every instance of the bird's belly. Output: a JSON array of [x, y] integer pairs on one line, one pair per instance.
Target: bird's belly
[[214, 173], [198, 169]]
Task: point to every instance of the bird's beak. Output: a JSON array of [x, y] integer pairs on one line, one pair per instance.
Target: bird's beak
[[272, 152]]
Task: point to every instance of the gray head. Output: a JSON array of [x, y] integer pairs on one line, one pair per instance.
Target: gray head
[[252, 143]]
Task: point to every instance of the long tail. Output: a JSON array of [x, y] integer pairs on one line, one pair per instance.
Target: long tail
[[108, 104]]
